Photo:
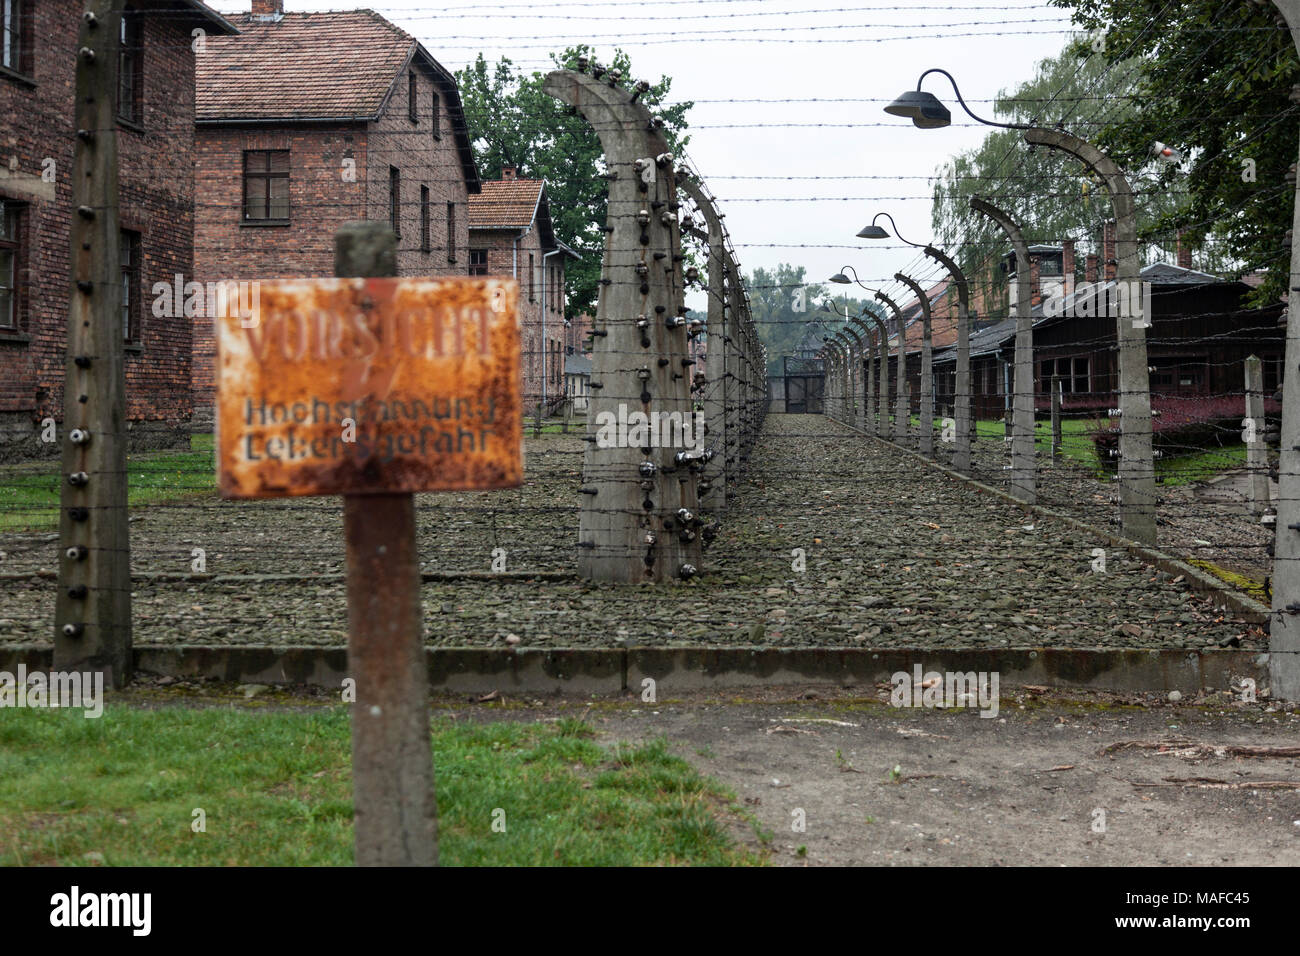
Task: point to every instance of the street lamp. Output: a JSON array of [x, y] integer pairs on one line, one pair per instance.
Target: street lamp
[[962, 400], [1136, 464]]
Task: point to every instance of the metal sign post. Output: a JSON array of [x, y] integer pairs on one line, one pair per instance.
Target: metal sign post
[[374, 388]]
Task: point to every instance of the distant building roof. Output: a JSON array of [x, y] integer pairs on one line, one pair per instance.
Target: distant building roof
[[506, 204], [315, 67], [577, 365], [995, 337]]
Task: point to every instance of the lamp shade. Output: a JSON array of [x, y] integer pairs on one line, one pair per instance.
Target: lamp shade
[[923, 109], [873, 232], [840, 278]]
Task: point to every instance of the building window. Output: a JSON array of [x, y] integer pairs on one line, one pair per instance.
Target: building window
[[266, 185], [1177, 374], [478, 265], [451, 232], [1073, 373], [413, 97], [532, 279], [1272, 369], [13, 35], [426, 241], [10, 265], [130, 264], [395, 200], [437, 115], [130, 58]]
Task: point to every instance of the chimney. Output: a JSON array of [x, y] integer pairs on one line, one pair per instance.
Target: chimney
[[1090, 269], [1109, 262], [1067, 264], [1184, 252], [507, 172], [268, 9]]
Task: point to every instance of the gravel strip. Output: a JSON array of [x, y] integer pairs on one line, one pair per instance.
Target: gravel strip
[[895, 554]]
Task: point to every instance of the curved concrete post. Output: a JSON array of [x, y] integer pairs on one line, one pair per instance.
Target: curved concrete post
[[1284, 629], [840, 361], [882, 384], [869, 370], [833, 385], [1022, 420], [925, 442], [733, 359], [713, 478], [902, 413], [634, 527], [1137, 477], [854, 373], [962, 400]]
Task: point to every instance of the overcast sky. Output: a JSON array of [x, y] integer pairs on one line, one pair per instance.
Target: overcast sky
[[801, 53]]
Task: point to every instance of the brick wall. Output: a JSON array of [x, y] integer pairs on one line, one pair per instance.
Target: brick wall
[[324, 193], [156, 199], [500, 246], [422, 160]]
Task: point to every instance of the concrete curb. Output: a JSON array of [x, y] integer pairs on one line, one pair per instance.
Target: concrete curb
[[1247, 607], [617, 670]]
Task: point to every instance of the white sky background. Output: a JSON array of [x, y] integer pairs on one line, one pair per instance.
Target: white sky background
[[721, 51]]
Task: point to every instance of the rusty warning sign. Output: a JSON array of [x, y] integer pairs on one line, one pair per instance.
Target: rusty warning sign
[[347, 386]]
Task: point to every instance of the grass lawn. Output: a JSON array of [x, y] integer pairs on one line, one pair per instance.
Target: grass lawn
[[29, 492], [1076, 444], [275, 786]]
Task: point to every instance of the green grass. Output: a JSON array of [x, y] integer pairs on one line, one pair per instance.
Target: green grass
[[1077, 445], [29, 492], [276, 790]]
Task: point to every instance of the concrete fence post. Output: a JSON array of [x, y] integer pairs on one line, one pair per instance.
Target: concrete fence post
[[639, 519]]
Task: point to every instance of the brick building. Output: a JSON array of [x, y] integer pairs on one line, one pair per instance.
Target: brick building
[[155, 136], [511, 234], [307, 121]]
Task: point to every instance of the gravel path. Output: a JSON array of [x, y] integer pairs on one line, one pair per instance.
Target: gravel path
[[896, 554]]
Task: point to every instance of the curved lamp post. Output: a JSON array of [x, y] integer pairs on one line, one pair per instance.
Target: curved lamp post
[[902, 415], [925, 443], [962, 399], [1136, 468], [1022, 417], [866, 356], [851, 377], [868, 367]]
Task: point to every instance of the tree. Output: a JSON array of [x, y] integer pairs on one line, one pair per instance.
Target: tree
[[1213, 81], [1052, 196], [787, 311], [513, 123]]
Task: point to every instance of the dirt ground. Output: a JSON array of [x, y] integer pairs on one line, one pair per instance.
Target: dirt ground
[[1026, 787]]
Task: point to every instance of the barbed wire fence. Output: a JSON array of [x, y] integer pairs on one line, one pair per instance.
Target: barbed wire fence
[[508, 563]]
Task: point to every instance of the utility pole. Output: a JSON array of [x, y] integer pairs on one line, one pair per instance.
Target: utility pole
[[1022, 419], [92, 611], [639, 518]]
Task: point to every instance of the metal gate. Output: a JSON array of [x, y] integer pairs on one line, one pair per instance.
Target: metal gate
[[804, 381]]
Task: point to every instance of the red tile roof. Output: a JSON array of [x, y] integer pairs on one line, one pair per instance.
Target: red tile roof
[[305, 66], [505, 204]]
